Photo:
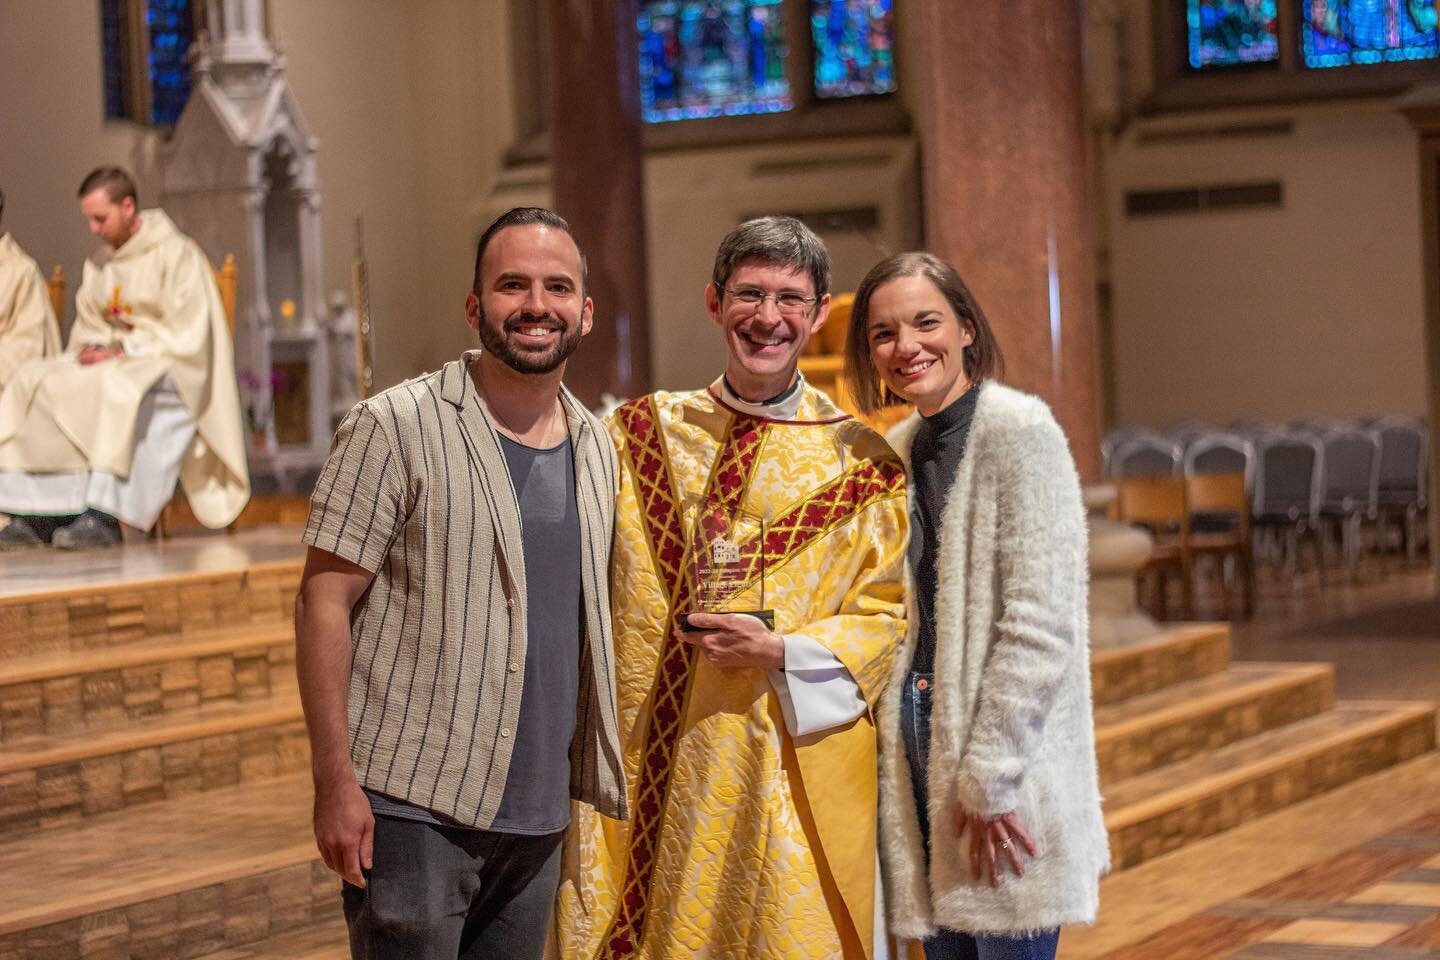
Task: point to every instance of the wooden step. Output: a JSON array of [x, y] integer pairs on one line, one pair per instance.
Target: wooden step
[[53, 781], [179, 878], [1178, 722], [62, 693], [1166, 808], [323, 941], [85, 617], [1174, 656]]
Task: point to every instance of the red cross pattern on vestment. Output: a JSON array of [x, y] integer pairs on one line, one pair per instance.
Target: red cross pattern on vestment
[[117, 310]]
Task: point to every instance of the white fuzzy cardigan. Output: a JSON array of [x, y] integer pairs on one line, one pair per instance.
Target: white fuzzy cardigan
[[1011, 721]]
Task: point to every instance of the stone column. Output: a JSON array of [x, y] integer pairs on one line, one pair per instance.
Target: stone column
[[1004, 164], [1422, 107], [598, 170]]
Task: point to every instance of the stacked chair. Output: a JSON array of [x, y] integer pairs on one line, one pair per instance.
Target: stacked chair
[[1276, 492], [1403, 485]]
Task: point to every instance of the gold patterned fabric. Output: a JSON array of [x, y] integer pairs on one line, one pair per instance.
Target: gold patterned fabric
[[742, 842]]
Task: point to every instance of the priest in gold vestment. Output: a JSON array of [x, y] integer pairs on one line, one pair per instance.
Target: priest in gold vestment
[[28, 330], [749, 752], [144, 394]]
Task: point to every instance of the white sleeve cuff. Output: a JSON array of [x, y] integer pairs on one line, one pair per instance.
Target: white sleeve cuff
[[816, 691]]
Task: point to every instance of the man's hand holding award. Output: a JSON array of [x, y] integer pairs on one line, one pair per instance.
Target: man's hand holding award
[[721, 566]]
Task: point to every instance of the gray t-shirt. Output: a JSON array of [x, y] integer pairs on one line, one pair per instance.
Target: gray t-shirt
[[537, 788]]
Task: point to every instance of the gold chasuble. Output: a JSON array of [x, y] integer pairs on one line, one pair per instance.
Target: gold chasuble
[[156, 297], [743, 842]]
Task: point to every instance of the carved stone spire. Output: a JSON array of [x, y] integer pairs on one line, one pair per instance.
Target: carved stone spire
[[237, 32]]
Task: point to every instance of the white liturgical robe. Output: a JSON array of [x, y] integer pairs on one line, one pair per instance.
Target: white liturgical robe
[[116, 423], [28, 330]]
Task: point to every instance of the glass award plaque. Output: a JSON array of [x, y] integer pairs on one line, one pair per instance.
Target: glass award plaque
[[719, 570]]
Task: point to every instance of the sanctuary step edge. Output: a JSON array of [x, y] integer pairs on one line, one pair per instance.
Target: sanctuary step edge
[[1190, 744]]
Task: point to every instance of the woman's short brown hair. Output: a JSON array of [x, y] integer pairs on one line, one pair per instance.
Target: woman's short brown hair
[[982, 357]]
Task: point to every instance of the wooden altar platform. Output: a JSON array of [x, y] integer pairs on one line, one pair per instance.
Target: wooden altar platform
[[154, 785]]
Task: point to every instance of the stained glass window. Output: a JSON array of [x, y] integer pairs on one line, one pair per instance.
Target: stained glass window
[[854, 47], [711, 58], [157, 33], [1342, 33], [115, 61], [171, 31], [1227, 33]]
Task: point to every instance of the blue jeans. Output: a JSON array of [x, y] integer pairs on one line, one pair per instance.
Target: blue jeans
[[954, 944]]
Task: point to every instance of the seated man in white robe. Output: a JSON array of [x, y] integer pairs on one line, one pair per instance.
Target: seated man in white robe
[[144, 394], [28, 330]]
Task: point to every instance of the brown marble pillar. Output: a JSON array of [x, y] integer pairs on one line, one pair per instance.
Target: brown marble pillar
[[598, 171], [1004, 165], [1422, 107]]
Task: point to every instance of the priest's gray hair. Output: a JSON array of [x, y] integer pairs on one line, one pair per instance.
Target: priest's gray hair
[[778, 241]]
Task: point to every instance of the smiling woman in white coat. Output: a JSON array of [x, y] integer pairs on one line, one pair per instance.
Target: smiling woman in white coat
[[991, 836]]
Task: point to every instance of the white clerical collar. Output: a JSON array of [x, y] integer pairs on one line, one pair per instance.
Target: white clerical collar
[[783, 407]]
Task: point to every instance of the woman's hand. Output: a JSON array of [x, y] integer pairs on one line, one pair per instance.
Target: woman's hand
[[997, 835]]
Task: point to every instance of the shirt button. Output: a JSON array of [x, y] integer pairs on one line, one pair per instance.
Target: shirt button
[[922, 684], [510, 602], [505, 732], [514, 667]]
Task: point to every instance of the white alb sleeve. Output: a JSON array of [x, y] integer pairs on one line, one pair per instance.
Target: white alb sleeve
[[816, 691]]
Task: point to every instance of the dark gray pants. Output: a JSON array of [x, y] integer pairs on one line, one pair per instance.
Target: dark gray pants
[[448, 893]]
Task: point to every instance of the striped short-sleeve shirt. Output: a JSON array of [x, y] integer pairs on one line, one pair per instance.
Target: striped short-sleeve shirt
[[417, 492]]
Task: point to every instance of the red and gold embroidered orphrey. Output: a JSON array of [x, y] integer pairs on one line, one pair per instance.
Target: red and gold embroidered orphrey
[[666, 534]]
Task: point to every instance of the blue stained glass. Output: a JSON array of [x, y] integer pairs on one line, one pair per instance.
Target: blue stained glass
[[1342, 33], [172, 29], [1228, 33], [711, 58], [854, 47]]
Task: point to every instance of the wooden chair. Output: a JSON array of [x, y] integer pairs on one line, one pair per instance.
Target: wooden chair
[[56, 285], [1222, 495], [226, 278], [1158, 503]]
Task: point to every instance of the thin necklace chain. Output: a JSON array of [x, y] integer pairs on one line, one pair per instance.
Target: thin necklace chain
[[504, 427]]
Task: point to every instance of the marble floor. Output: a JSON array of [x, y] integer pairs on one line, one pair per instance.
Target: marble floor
[[1352, 873]]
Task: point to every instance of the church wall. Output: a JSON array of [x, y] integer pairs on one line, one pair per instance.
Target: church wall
[[1310, 309], [411, 104]]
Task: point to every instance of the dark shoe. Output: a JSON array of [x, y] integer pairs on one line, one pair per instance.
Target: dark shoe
[[19, 535], [92, 529]]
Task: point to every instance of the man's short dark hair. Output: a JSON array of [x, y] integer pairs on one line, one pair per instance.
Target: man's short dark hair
[[118, 184], [527, 217], [779, 241]]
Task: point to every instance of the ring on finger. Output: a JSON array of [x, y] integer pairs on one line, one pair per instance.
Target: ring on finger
[[1005, 843]]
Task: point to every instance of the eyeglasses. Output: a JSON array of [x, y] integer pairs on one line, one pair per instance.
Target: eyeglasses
[[789, 304]]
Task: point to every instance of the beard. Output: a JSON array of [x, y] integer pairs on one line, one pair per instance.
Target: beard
[[520, 360]]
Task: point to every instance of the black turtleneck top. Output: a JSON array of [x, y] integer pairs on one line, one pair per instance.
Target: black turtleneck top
[[934, 462]]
